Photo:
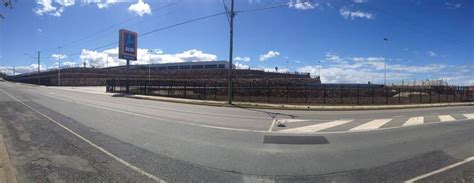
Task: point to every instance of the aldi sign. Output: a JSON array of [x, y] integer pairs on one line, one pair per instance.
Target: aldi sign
[[128, 45]]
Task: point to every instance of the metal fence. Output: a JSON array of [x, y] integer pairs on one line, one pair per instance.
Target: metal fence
[[291, 93]]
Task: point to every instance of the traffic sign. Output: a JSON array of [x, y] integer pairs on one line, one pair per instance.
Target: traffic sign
[[128, 44]]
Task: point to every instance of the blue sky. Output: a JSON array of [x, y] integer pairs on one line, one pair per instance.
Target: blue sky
[[429, 39]]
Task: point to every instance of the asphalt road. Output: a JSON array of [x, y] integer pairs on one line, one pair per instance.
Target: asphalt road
[[62, 135]]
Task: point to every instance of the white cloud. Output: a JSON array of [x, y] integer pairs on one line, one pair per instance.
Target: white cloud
[[338, 69], [302, 4], [431, 53], [241, 66], [102, 3], [334, 58], [360, 1], [46, 7], [268, 55], [140, 8], [453, 5], [57, 7], [21, 69], [110, 57], [243, 59], [65, 3], [58, 56], [347, 14]]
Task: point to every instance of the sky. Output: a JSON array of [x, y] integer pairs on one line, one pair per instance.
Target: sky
[[344, 41]]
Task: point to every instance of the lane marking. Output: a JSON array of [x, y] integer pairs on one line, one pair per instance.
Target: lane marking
[[444, 118], [374, 124], [153, 117], [467, 160], [316, 127], [293, 120], [469, 116], [414, 121], [143, 172], [272, 125]]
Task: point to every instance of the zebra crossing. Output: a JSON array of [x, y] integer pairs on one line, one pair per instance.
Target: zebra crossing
[[367, 125]]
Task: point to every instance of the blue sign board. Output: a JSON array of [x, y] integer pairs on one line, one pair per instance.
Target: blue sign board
[[128, 45]]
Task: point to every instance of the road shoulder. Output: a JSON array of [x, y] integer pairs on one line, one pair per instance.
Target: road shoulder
[[7, 172]]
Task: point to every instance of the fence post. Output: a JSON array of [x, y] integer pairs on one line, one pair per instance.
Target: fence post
[[420, 96], [454, 94], [446, 93], [430, 94], [399, 95], [386, 95], [205, 91], [306, 95], [358, 87], [373, 95], [341, 93], [439, 94], [287, 93], [215, 90], [185, 89], [268, 92], [409, 93], [324, 94]]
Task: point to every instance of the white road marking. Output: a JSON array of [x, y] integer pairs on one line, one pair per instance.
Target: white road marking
[[444, 118], [143, 172], [467, 160], [272, 125], [316, 127], [374, 124], [293, 120], [153, 117], [414, 121], [469, 116]]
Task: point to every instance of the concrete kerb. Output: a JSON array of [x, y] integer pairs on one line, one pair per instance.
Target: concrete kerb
[[295, 107]]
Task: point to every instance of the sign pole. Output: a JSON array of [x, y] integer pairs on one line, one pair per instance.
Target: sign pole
[[127, 84]]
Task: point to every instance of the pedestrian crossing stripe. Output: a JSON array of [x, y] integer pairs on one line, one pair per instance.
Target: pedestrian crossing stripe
[[444, 118], [317, 127], [469, 116], [414, 121], [374, 124]]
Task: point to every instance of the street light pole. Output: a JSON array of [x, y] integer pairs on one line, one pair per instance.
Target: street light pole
[[231, 45], [39, 53], [59, 67], [385, 72], [149, 66]]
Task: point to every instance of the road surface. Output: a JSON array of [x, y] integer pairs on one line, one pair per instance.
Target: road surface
[[63, 135]]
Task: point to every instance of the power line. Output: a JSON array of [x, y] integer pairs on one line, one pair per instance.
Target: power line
[[157, 30], [107, 28]]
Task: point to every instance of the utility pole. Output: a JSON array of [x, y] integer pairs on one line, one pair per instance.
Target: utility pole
[[107, 64], [319, 63], [59, 67], [231, 42], [385, 64], [39, 54], [149, 66]]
